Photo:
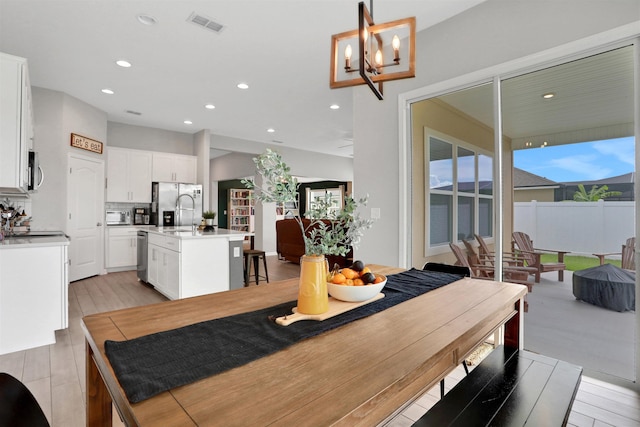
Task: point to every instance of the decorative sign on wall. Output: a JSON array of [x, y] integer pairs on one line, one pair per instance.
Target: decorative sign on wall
[[85, 143]]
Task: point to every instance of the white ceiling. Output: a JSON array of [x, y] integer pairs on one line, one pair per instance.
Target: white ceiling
[[281, 48]]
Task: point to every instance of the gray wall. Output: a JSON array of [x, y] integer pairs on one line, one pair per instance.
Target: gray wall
[[489, 34]]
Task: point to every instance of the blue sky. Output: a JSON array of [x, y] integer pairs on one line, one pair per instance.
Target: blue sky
[[576, 162]]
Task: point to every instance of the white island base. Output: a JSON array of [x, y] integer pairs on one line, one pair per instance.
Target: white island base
[[184, 264]]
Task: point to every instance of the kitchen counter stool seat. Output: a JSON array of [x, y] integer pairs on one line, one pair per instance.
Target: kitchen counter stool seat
[[255, 255]]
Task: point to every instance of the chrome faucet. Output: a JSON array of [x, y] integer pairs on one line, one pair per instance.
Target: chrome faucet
[[180, 208]]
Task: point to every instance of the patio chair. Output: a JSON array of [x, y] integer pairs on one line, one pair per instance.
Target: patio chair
[[514, 264], [488, 255], [482, 271], [627, 255], [532, 256]]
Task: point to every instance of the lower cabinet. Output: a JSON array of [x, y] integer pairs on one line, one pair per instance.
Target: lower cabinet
[[33, 301], [163, 265], [121, 247]]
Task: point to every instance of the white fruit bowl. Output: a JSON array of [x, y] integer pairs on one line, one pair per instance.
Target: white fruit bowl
[[355, 293]]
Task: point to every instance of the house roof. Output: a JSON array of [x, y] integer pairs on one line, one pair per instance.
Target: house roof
[[523, 179], [627, 178]]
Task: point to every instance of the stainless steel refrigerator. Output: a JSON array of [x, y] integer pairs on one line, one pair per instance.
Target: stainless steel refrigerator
[[174, 204]]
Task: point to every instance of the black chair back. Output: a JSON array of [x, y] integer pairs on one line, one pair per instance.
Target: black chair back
[[446, 268], [18, 407]]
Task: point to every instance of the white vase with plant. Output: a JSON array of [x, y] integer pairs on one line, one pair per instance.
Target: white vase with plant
[[208, 217], [328, 232]]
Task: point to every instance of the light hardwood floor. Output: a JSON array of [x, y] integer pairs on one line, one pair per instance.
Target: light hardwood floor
[[55, 373]]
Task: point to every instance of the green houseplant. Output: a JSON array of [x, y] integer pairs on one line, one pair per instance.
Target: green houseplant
[[327, 232], [208, 217]]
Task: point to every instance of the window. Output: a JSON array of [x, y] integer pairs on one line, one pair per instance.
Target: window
[[460, 199]]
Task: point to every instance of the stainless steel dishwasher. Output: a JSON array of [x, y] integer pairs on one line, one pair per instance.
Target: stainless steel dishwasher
[[142, 255]]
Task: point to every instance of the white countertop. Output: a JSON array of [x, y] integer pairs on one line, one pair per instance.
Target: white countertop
[[187, 233], [23, 242]]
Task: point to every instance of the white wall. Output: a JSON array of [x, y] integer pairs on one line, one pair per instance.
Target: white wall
[[489, 34], [56, 116], [302, 163], [150, 139], [201, 141]]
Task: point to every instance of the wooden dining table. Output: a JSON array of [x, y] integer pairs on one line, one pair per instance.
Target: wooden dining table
[[360, 374]]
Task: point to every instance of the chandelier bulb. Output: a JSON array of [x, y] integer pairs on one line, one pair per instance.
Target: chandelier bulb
[[379, 58], [396, 48], [347, 57]]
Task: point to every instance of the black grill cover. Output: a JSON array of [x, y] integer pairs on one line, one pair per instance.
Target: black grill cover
[[606, 286]]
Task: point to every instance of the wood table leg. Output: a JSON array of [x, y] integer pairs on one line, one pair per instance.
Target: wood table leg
[[512, 329], [99, 412]]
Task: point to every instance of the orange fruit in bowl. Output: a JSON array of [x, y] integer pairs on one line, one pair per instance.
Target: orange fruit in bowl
[[338, 278], [364, 271], [349, 273], [378, 279], [358, 282]]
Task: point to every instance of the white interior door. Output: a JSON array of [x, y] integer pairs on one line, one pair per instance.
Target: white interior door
[[85, 218]]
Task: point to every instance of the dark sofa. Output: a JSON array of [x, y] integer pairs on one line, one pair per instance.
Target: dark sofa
[[290, 245]]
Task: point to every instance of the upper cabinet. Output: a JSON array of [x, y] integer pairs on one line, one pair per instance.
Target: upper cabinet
[[174, 168], [128, 175], [16, 124]]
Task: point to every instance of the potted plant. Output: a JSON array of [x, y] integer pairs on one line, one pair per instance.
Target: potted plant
[[208, 217], [327, 231]]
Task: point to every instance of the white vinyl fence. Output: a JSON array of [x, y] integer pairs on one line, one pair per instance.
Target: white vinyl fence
[[578, 227]]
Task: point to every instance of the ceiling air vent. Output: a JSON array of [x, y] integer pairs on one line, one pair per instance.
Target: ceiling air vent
[[205, 22]]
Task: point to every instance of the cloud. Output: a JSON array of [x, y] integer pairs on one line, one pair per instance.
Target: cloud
[[586, 166], [622, 149]]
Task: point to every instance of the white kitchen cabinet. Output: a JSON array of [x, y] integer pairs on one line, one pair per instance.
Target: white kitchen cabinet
[[174, 168], [163, 265], [122, 244], [128, 175], [16, 124], [33, 297]]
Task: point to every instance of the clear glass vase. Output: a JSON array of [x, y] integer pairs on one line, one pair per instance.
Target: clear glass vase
[[312, 294]]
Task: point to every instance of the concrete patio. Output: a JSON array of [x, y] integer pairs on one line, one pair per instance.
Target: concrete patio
[[559, 326]]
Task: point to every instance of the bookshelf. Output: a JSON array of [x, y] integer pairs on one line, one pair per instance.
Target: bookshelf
[[288, 209], [241, 210]]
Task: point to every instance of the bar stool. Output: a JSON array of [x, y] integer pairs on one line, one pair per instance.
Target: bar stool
[[255, 255]]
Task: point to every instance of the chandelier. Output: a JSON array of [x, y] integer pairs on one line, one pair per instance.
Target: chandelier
[[394, 40]]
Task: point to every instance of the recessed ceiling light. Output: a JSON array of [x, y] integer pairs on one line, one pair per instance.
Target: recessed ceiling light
[[243, 86], [147, 19], [334, 107], [209, 106], [123, 63], [548, 95], [188, 122], [108, 91], [271, 130]]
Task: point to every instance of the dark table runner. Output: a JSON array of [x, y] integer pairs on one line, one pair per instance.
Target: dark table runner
[[151, 364]]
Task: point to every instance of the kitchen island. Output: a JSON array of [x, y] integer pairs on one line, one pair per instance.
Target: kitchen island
[[33, 290], [183, 263]]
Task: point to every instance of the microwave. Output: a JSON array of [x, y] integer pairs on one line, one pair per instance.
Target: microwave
[[35, 173], [118, 217]]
